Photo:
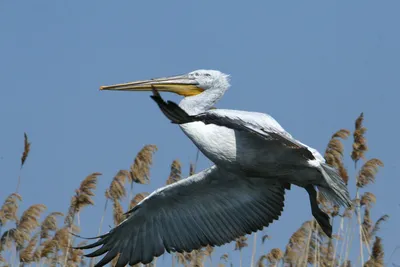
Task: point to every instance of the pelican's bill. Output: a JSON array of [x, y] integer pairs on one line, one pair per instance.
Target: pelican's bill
[[182, 85]]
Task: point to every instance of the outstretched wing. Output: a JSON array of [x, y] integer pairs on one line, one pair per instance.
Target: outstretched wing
[[258, 124], [212, 207]]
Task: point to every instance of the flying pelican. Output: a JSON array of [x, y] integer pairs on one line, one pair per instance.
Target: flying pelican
[[255, 161]]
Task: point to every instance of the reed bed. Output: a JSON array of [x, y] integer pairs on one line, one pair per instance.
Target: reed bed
[[39, 238]]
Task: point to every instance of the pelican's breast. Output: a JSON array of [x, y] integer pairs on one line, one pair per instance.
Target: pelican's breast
[[237, 150], [215, 142]]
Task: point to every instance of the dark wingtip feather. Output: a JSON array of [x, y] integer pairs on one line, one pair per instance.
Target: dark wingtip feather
[[93, 245], [171, 110], [87, 238], [107, 258], [97, 252], [103, 239]]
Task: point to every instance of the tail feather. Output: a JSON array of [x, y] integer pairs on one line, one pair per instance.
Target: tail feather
[[337, 191]]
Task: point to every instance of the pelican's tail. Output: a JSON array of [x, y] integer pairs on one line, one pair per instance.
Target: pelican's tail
[[337, 191]]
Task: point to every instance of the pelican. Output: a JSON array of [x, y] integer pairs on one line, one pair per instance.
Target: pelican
[[255, 161]]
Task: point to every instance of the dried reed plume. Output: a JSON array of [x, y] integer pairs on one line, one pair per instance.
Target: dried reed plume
[[224, 257], [297, 242], [260, 261], [366, 226], [367, 199], [208, 251], [348, 212], [365, 176], [368, 172], [334, 152], [325, 204], [49, 224], [8, 212], [335, 211], [195, 258], [369, 230], [328, 253], [29, 221], [117, 191], [315, 251], [240, 243], [83, 197], [76, 256], [274, 256], [27, 254], [377, 254], [48, 247], [264, 238], [139, 197], [7, 239], [118, 212], [180, 258], [140, 169], [27, 148], [176, 172], [62, 237], [360, 143], [37, 253], [377, 225]]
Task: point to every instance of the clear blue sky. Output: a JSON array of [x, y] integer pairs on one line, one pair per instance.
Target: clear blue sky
[[313, 65]]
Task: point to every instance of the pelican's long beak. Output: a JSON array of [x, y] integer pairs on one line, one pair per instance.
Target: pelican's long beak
[[181, 85]]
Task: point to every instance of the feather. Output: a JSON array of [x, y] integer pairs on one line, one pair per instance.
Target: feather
[[180, 217]]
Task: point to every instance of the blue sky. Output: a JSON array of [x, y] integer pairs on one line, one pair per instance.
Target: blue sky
[[313, 65]]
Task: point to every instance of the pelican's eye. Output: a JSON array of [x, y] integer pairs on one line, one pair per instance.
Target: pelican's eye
[[207, 74]]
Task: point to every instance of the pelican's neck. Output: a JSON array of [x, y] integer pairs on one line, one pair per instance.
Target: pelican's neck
[[194, 105]]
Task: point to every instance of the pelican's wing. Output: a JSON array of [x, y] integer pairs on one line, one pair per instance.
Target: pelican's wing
[[259, 124], [212, 207]]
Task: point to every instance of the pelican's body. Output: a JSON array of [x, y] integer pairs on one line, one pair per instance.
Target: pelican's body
[[208, 138], [240, 152], [255, 161]]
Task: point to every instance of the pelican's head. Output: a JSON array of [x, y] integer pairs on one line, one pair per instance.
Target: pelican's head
[[190, 84]]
